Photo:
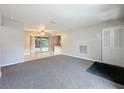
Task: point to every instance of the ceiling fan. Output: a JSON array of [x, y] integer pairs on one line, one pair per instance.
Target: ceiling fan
[[43, 32], [40, 30]]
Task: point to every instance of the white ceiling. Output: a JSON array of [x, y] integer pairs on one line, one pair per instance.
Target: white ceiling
[[63, 17]]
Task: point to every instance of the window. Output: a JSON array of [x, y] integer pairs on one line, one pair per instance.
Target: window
[[42, 43]]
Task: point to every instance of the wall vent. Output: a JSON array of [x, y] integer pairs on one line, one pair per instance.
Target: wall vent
[[83, 49]]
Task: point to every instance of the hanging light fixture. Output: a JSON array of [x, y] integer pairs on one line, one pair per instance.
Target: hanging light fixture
[[42, 33]]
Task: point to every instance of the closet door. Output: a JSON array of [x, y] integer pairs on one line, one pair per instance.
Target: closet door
[[113, 46]]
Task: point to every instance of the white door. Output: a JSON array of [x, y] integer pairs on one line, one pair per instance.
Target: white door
[[113, 46]]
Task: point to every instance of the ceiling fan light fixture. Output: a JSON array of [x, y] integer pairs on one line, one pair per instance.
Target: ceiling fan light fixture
[[42, 33]]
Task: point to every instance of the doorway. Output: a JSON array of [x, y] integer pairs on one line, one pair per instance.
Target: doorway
[[39, 44], [113, 46]]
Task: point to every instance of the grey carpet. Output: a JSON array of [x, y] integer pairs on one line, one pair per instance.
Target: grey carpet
[[53, 73]]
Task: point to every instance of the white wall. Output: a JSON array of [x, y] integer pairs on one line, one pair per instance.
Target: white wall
[[90, 36], [11, 42], [0, 49]]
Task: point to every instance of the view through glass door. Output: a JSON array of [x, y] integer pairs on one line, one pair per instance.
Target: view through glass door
[[39, 44]]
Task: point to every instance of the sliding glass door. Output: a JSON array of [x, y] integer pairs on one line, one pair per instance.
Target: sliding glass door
[[39, 44]]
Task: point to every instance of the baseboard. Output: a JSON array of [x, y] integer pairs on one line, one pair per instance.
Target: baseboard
[[83, 58], [3, 65], [62, 54]]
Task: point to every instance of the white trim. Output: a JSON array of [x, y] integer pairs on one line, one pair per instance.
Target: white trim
[[83, 58], [3, 65], [49, 56]]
